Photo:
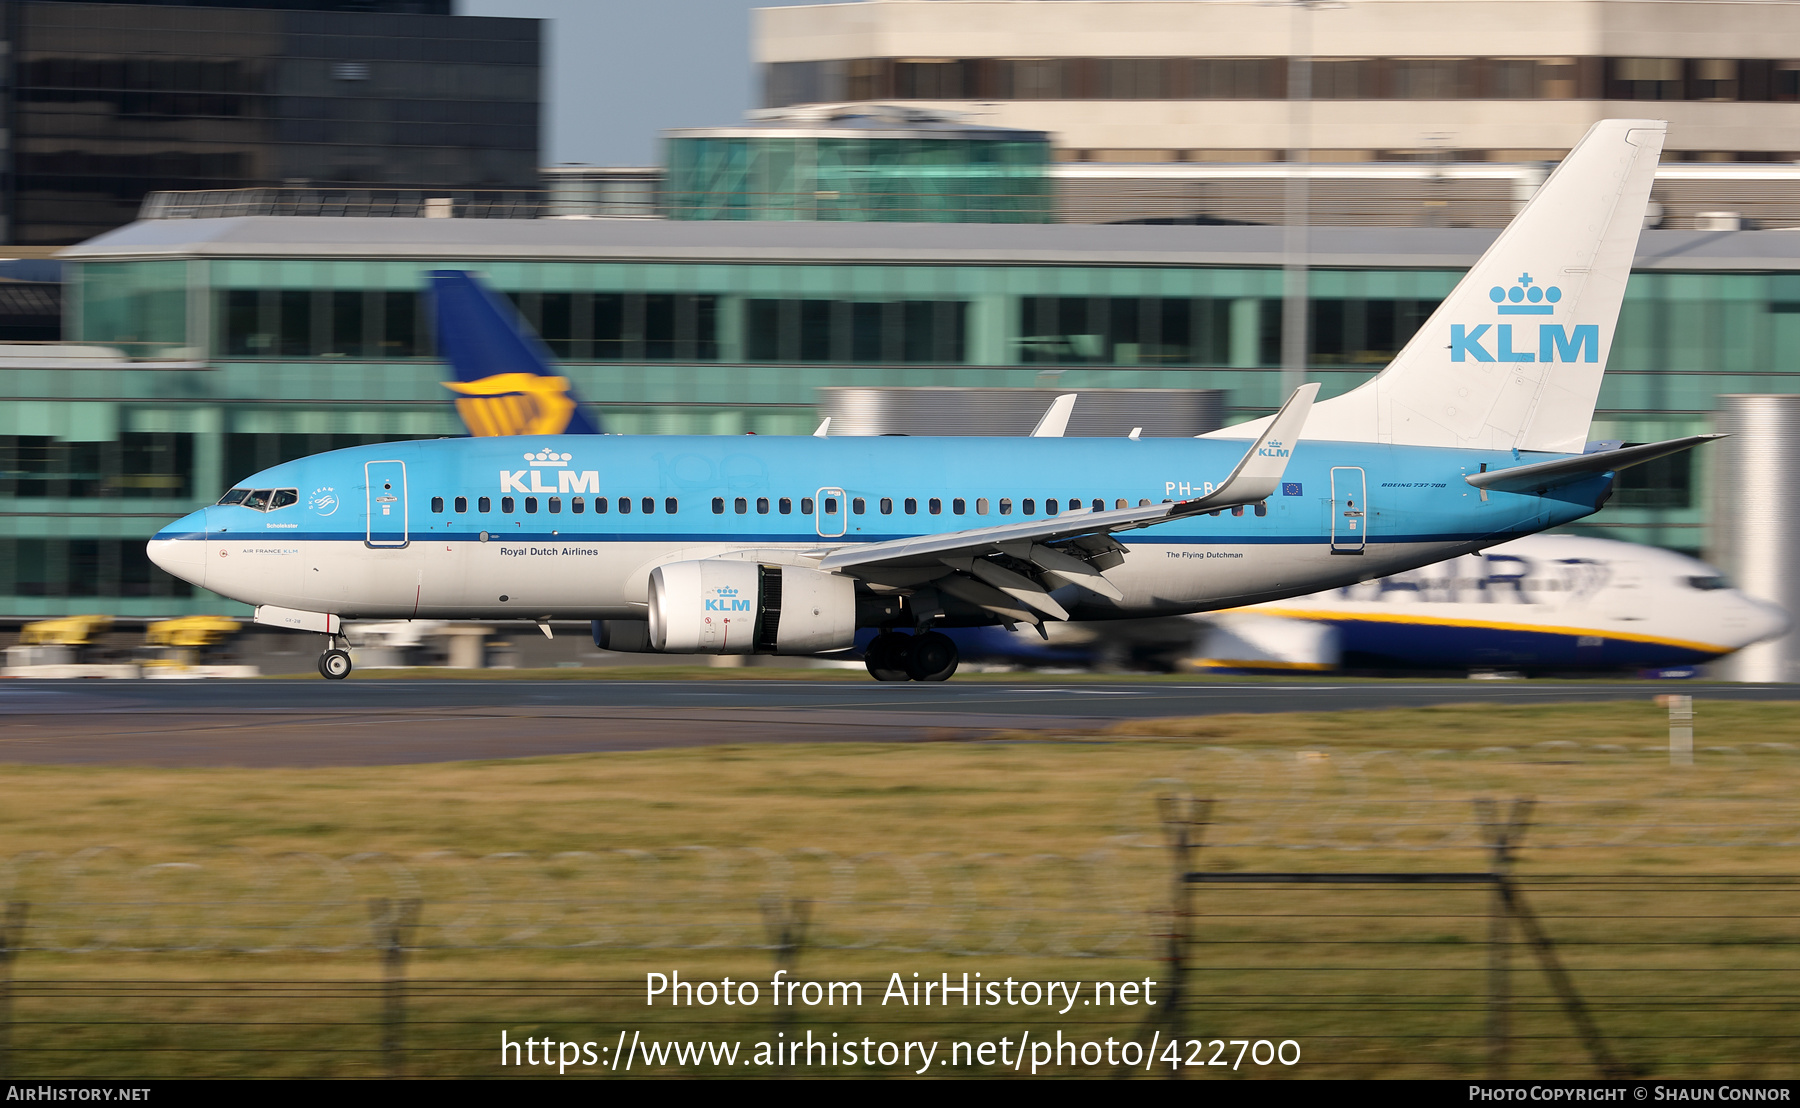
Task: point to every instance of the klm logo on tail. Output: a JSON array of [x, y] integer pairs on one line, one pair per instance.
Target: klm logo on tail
[[1554, 341]]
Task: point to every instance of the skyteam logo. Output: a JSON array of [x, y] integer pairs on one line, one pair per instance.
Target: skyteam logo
[[1555, 342], [540, 461], [726, 599]]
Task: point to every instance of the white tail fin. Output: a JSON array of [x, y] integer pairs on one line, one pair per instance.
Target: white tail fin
[[1513, 357]]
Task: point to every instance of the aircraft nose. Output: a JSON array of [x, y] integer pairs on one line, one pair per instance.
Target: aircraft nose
[[180, 548], [1766, 621]]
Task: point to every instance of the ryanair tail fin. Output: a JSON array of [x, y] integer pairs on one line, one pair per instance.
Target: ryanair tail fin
[[1513, 357], [506, 382]]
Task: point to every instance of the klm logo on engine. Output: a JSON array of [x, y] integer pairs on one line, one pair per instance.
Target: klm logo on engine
[[725, 599], [567, 480], [1275, 448], [1555, 342]]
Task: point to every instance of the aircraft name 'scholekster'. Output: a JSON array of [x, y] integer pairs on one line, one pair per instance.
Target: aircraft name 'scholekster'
[[1474, 435]]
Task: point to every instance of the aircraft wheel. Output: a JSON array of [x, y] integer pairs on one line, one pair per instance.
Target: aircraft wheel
[[334, 665], [934, 657], [887, 656]]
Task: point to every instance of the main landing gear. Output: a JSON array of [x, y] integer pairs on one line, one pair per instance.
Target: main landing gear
[[897, 656], [334, 664]]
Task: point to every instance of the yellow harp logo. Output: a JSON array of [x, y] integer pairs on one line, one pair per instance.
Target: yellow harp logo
[[514, 404]]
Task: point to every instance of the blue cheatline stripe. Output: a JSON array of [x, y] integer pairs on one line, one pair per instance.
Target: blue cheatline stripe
[[1148, 536]]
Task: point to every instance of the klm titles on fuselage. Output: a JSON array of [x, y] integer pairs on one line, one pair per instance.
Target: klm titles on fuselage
[[568, 481], [1555, 342]]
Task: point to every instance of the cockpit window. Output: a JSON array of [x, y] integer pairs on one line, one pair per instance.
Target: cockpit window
[[1709, 584], [262, 500]]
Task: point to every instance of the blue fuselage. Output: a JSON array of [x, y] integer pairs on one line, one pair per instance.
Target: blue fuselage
[[569, 526]]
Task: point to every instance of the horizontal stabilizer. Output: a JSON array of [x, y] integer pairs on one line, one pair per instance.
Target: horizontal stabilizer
[[1542, 476], [1056, 417]]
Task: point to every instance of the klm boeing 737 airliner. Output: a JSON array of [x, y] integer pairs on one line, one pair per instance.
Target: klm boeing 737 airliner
[[1475, 434]]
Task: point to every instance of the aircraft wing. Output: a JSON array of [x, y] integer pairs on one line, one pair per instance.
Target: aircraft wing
[[1006, 568], [1541, 476]]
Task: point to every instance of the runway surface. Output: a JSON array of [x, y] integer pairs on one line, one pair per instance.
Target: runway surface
[[375, 722]]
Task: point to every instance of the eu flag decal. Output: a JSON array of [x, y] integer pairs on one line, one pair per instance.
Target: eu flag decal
[[1290, 488]]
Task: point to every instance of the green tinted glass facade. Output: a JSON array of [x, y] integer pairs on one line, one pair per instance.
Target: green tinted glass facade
[[859, 179], [247, 361]]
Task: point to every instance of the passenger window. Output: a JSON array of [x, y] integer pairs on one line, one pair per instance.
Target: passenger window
[[601, 504], [506, 505], [806, 505], [577, 505], [762, 505], [625, 505], [887, 505], [670, 504], [531, 505], [437, 504], [259, 499], [718, 505], [555, 505], [1028, 507], [858, 505], [649, 505], [1237, 510], [234, 496], [741, 505], [462, 505], [484, 504], [912, 506], [959, 506], [831, 505], [1005, 506], [1121, 503], [785, 505], [1100, 505], [935, 506], [981, 506], [1262, 507], [284, 497], [1049, 506]]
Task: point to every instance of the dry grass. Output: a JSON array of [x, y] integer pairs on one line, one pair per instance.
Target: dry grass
[[1392, 981]]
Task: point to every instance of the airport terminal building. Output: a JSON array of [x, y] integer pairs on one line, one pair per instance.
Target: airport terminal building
[[200, 350]]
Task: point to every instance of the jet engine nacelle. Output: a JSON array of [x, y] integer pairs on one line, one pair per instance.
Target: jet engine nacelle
[[722, 606]]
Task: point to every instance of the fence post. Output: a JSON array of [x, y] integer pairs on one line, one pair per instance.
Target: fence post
[[12, 937], [1502, 840], [393, 922], [1183, 822], [785, 922]]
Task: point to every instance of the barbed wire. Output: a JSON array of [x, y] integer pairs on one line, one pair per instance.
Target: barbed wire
[[687, 897]]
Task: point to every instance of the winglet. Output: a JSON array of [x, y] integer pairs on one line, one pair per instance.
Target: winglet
[[824, 429], [1056, 419], [1258, 472]]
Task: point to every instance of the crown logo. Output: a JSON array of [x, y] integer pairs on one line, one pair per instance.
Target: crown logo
[[1525, 298], [725, 590], [548, 458]]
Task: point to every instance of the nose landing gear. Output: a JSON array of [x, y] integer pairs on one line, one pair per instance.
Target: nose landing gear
[[334, 664], [897, 656]]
